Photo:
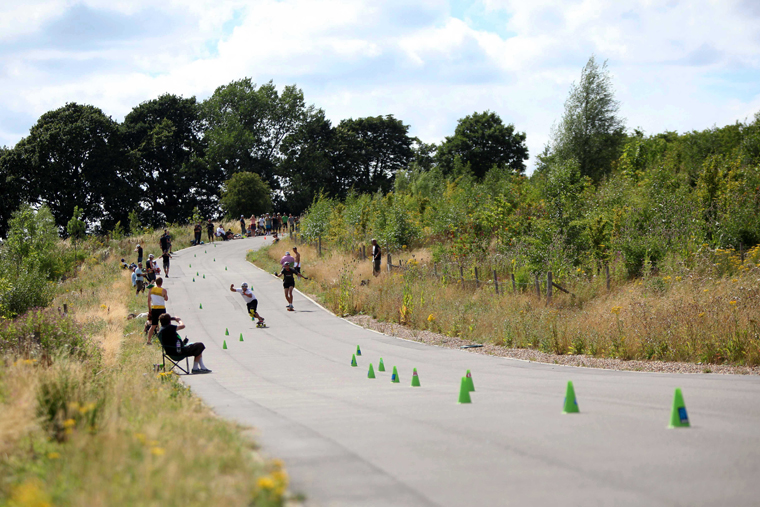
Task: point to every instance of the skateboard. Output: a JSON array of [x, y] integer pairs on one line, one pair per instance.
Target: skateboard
[[261, 325], [290, 309]]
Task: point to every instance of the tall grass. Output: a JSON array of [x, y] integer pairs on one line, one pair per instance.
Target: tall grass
[[106, 429], [707, 314]]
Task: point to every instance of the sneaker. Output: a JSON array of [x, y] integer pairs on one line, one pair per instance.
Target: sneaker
[[198, 371]]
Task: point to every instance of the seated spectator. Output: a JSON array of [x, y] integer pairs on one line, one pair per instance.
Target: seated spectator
[[124, 264], [220, 233], [177, 348], [230, 234]]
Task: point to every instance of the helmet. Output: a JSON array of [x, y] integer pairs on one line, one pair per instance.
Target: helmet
[[245, 285]]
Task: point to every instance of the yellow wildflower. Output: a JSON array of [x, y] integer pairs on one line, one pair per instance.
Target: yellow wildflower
[[732, 303], [53, 455], [265, 482], [431, 318], [616, 310], [157, 451], [701, 314]]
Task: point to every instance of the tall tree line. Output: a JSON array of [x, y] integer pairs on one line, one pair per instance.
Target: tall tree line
[[173, 155]]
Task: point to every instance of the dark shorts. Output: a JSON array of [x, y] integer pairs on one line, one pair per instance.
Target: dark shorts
[[166, 266], [287, 285], [252, 305], [193, 350], [297, 269], [139, 260], [140, 286], [155, 313]]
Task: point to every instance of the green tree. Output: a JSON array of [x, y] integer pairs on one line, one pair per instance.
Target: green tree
[[246, 126], [591, 132], [13, 190], [483, 141], [76, 228], [74, 156], [165, 138], [370, 151], [31, 239], [245, 194]]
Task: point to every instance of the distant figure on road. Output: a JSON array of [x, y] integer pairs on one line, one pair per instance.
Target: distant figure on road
[[166, 257], [164, 242], [157, 297], [197, 230], [250, 301], [376, 256], [174, 346], [242, 225], [288, 275]]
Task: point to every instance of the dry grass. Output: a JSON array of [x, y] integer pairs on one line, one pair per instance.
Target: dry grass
[[708, 316], [119, 433]]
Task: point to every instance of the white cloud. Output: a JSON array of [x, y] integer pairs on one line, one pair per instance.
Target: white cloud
[[676, 65]]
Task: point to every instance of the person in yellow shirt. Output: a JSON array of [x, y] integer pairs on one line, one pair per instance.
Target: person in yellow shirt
[[157, 298]]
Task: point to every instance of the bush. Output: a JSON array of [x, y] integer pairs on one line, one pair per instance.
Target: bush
[[23, 290], [45, 333]]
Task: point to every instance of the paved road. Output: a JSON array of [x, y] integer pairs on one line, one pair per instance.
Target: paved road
[[351, 441]]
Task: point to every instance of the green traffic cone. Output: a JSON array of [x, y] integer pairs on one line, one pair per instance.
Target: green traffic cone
[[353, 360], [470, 384], [415, 378], [571, 404], [678, 416], [189, 265], [394, 376], [214, 259], [241, 337], [380, 365], [204, 276], [195, 255], [225, 268], [464, 392], [205, 251], [193, 279], [224, 344], [358, 351], [201, 307], [197, 274], [371, 372], [226, 332]]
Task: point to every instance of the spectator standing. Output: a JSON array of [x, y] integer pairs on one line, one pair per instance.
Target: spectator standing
[[291, 223], [376, 256], [297, 264], [157, 298], [242, 225], [197, 230], [275, 223], [150, 269], [262, 223], [269, 224], [174, 346], [163, 241], [132, 268], [139, 279], [210, 230], [139, 251]]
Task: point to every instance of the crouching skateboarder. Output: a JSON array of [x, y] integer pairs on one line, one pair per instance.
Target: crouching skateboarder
[[250, 302]]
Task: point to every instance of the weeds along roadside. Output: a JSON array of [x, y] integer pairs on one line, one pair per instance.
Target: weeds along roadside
[[706, 316], [84, 419]]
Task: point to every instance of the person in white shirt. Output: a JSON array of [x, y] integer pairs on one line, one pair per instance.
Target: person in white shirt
[[250, 301]]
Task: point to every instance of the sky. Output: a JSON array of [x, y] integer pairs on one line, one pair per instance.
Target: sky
[[675, 65]]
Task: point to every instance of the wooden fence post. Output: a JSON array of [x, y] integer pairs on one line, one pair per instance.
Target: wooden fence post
[[65, 309], [477, 281], [549, 287], [514, 285], [320, 245], [538, 287], [495, 282], [435, 270], [364, 252], [389, 263], [607, 275], [461, 275]]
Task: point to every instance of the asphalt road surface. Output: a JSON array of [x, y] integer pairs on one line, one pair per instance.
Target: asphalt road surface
[[347, 440]]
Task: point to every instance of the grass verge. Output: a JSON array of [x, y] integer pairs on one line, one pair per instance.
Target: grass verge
[[95, 425], [693, 318]]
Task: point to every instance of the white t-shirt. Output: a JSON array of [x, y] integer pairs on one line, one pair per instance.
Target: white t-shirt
[[247, 295]]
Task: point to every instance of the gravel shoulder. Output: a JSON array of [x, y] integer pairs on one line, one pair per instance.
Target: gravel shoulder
[[582, 361]]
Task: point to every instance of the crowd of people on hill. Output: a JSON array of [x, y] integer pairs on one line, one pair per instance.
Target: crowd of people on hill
[[265, 225]]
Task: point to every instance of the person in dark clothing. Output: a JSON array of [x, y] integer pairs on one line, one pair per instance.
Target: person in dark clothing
[[176, 347], [242, 225], [376, 256], [197, 230], [165, 257], [210, 231], [139, 251], [288, 275], [164, 242]]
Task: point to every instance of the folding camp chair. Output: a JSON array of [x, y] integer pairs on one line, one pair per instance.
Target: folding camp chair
[[176, 362]]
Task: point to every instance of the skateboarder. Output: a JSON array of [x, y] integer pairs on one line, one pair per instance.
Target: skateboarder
[[250, 301], [288, 275]]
